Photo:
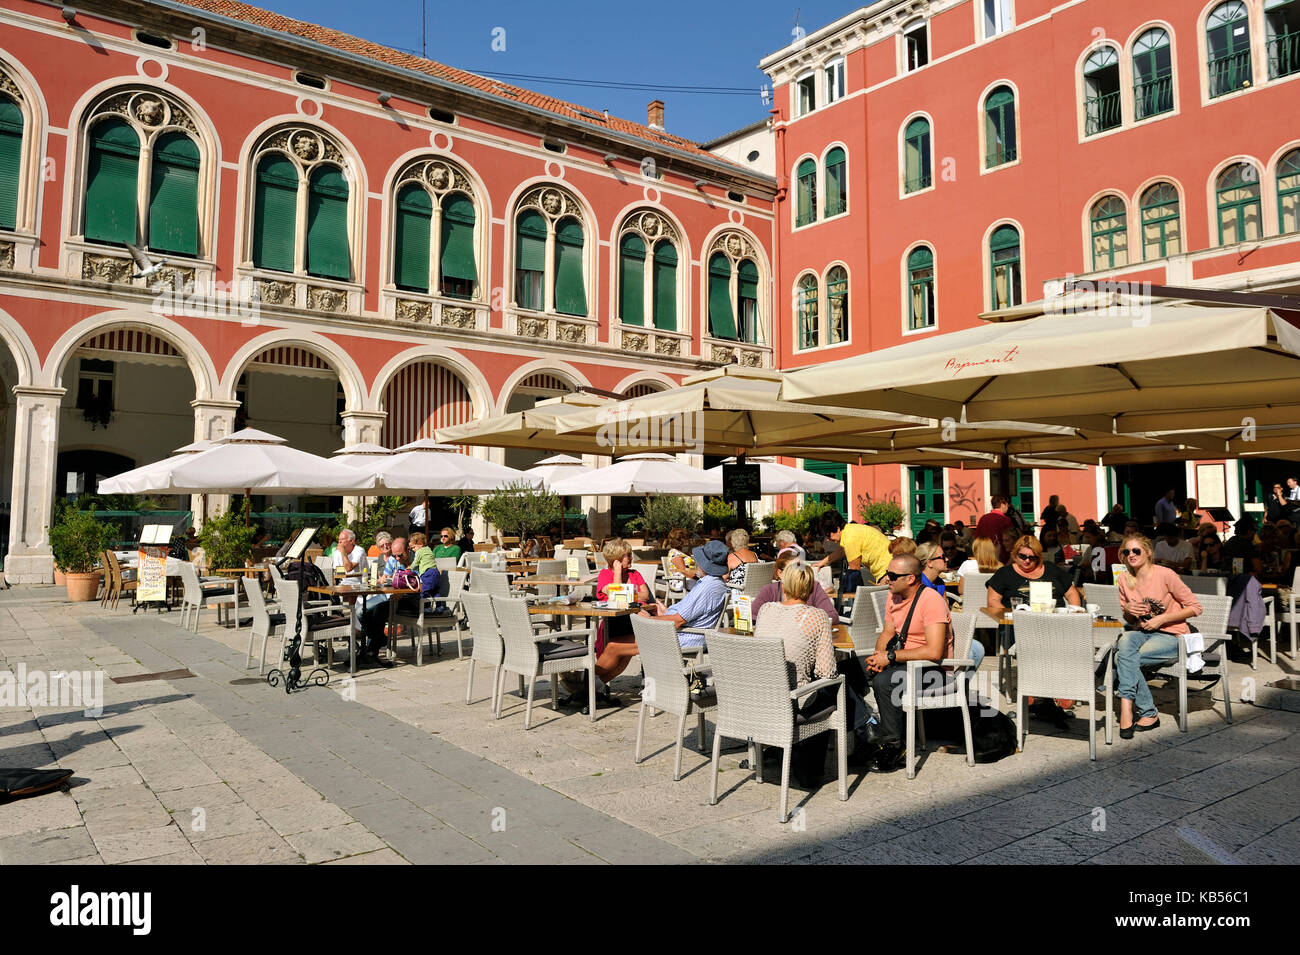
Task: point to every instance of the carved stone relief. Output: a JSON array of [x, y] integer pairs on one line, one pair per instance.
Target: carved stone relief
[[412, 311], [6, 255], [457, 317], [667, 346], [635, 342], [532, 327], [274, 293], [570, 332], [105, 268], [327, 299]]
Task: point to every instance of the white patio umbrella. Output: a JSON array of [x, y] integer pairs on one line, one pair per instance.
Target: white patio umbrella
[[642, 474], [557, 468], [362, 457], [777, 478], [138, 479]]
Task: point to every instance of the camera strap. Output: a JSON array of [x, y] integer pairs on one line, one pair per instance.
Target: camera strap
[[899, 640]]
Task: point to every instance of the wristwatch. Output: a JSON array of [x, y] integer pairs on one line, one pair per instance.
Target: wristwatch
[[890, 654]]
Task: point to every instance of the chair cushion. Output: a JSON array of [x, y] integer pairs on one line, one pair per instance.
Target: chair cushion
[[801, 718], [562, 649], [218, 591], [276, 619], [324, 621]]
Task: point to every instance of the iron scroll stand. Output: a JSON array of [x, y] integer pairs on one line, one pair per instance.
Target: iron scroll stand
[[292, 678]]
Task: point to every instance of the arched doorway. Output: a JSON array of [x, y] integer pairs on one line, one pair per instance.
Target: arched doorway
[[536, 387]]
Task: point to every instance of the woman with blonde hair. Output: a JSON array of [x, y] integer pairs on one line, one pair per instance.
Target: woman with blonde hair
[[740, 556], [902, 545], [983, 559], [615, 645], [1157, 605]]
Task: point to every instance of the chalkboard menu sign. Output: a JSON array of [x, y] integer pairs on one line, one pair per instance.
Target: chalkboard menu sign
[[740, 482]]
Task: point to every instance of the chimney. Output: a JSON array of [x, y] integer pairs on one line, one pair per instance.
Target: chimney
[[655, 114]]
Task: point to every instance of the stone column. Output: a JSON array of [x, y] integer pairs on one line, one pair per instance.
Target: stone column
[[597, 509], [36, 449], [213, 419], [361, 427]]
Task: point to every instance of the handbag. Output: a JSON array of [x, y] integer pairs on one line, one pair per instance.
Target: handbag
[[405, 579]]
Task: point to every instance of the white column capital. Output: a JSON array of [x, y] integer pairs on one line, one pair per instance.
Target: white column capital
[[363, 427]]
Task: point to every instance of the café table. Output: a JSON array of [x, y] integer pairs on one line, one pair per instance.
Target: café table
[[350, 593], [532, 580], [584, 608], [840, 638]]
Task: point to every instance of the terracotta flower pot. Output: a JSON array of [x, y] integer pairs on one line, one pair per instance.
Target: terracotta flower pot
[[82, 587], [59, 578]]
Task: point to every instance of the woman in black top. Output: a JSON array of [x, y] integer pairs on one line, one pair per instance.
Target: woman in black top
[[1010, 585]]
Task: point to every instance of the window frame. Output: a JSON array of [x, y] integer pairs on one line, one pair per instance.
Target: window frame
[[906, 33], [981, 21], [991, 266], [1142, 222], [1247, 70], [929, 284], [1171, 76], [835, 79], [1217, 192], [981, 106], [1112, 234], [925, 179], [1103, 100], [1280, 193], [825, 165], [737, 247], [797, 90], [807, 303], [653, 228], [567, 206], [444, 181], [806, 168]]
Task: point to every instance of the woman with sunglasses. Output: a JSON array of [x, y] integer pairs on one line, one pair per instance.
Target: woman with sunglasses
[[1010, 585], [1212, 558], [1157, 605]]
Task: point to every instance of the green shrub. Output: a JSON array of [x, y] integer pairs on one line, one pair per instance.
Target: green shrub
[[78, 540], [226, 542], [520, 508], [886, 515], [659, 515], [798, 520]]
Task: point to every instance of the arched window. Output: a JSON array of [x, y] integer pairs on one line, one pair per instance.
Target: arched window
[[1282, 30], [570, 294], [433, 242], [836, 183], [747, 299], [1101, 101], [1288, 192], [664, 290], [806, 198], [1237, 191], [1108, 226], [920, 288], [734, 311], [112, 183], [411, 242], [722, 321], [456, 247], [549, 227], [1153, 74], [11, 160], [806, 309], [837, 305], [1004, 267], [1227, 41], [303, 206], [174, 195], [631, 280], [918, 173], [999, 127], [1161, 224]]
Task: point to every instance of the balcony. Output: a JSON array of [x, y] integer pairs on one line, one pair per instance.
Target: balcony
[[1102, 113], [1154, 97], [1230, 73], [1284, 55], [1000, 155], [917, 183]]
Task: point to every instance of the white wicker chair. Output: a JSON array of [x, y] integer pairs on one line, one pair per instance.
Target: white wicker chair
[[319, 625], [975, 597], [424, 622], [878, 600], [533, 655], [953, 693], [265, 623], [865, 624], [1055, 659], [755, 703], [667, 684], [1287, 616], [1213, 627], [326, 565], [1105, 596], [486, 633], [650, 574], [196, 596]]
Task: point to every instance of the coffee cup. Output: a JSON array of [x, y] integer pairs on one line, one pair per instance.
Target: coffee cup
[[1094, 609]]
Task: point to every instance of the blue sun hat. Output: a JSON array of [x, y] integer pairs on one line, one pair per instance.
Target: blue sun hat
[[711, 557]]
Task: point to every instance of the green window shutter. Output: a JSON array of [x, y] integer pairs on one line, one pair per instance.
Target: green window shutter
[[275, 213], [327, 225], [174, 195], [920, 288], [530, 260], [111, 182], [1109, 233], [999, 128], [722, 323], [1161, 235], [917, 149], [459, 274], [835, 182], [806, 210], [411, 245], [631, 280], [11, 160], [1004, 262], [747, 293], [665, 286], [570, 294]]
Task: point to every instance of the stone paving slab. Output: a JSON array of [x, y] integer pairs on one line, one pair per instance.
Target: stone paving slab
[[394, 767]]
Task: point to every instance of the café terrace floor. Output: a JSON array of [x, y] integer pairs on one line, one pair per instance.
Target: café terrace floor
[[219, 768]]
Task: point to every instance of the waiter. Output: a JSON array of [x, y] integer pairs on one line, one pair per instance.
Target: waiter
[[419, 520]]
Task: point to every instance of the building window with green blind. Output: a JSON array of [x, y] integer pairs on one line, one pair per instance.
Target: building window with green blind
[[1288, 192], [806, 193], [918, 171], [142, 158], [304, 210], [747, 300], [1161, 224], [837, 305], [631, 280], [1101, 99], [434, 231], [1153, 74], [11, 160], [570, 294], [999, 127], [1108, 227], [735, 312], [663, 292], [837, 193], [550, 252], [531, 236], [647, 271], [1004, 268], [920, 289], [807, 316], [722, 320], [1227, 39], [1238, 204]]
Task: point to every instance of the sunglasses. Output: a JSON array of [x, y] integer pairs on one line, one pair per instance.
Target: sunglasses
[[893, 576], [1131, 550], [933, 559], [1029, 556]]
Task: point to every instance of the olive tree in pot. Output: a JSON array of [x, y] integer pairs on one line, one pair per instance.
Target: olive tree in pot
[[521, 508], [78, 541]]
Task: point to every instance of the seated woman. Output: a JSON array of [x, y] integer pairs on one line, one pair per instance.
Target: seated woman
[[739, 558], [1010, 585], [772, 592], [806, 633], [932, 565], [615, 644], [702, 608], [1212, 558], [785, 541], [1157, 605], [902, 545], [983, 558], [682, 571]]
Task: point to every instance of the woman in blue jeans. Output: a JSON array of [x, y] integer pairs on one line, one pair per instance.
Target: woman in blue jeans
[[1157, 605]]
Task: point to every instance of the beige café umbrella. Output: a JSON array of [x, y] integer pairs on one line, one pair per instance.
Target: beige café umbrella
[[529, 430], [1124, 354]]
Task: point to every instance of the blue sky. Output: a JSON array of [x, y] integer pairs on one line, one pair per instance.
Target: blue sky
[[706, 43]]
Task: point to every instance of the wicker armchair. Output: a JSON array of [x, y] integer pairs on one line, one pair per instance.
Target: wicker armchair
[[755, 703], [196, 596], [865, 624], [668, 684], [265, 623], [117, 581], [952, 694], [1056, 659], [427, 622], [487, 649], [1213, 627], [321, 625], [533, 655], [1105, 596]]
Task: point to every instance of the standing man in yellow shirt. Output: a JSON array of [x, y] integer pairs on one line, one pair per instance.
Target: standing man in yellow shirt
[[859, 544]]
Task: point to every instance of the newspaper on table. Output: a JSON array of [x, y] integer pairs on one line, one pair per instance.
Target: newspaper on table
[[743, 612]]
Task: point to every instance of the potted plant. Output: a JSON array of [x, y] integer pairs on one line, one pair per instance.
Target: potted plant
[[226, 542], [521, 508], [77, 541], [659, 515], [885, 515]]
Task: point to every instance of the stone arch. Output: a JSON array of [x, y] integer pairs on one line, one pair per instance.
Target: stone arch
[[638, 378], [329, 351], [480, 393], [422, 394], [21, 349], [562, 369], [177, 335]]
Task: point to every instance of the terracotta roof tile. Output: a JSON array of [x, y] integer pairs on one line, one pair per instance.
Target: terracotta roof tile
[[383, 54]]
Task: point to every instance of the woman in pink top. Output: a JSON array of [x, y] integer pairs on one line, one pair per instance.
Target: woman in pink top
[[619, 646], [1157, 606]]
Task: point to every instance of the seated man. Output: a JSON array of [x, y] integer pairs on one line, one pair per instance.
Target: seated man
[[1172, 551], [928, 637], [348, 556], [703, 605], [372, 611]]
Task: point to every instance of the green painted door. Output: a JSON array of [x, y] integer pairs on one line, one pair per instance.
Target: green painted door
[[1022, 496], [831, 469], [927, 491]]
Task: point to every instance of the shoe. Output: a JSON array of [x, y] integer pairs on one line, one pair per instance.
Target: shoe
[[1126, 732], [890, 758], [1143, 729]]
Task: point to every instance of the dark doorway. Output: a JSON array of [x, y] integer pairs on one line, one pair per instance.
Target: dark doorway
[[1139, 486]]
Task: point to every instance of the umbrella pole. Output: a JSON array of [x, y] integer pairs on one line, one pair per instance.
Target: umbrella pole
[[248, 494], [426, 514]]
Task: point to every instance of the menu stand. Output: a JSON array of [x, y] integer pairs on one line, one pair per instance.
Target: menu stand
[[293, 679]]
